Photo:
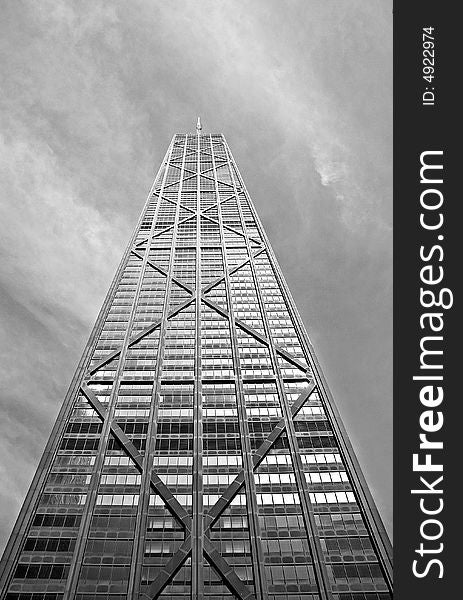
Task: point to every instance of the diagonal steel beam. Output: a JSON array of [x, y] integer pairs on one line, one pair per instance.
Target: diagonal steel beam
[[177, 182], [141, 242], [206, 171], [139, 336], [179, 282], [207, 288], [172, 504], [215, 205], [241, 233], [226, 572], [168, 571], [170, 185], [179, 167], [174, 202], [190, 176], [156, 267], [218, 180], [205, 153]]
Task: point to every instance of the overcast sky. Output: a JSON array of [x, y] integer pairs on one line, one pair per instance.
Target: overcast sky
[[91, 94]]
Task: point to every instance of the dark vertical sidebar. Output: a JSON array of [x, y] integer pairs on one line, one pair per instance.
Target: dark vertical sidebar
[[427, 323]]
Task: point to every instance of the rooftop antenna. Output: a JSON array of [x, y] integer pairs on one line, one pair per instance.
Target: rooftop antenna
[[198, 126]]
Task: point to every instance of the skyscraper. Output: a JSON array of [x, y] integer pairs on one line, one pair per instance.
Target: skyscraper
[[198, 453]]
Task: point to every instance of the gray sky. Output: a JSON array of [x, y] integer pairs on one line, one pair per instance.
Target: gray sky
[[91, 94]]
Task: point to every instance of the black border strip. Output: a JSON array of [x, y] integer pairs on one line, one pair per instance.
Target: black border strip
[[419, 128]]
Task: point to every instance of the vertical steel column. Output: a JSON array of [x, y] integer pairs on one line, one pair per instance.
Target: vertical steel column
[[145, 488], [197, 577], [246, 451], [73, 579], [320, 570]]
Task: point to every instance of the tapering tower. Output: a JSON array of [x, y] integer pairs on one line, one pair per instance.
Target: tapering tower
[[198, 453]]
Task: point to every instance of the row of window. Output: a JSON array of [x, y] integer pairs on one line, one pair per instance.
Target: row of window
[[49, 544], [289, 547], [42, 571]]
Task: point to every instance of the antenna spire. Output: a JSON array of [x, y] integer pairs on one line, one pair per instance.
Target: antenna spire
[[198, 126]]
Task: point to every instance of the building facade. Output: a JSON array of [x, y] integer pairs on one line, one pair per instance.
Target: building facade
[[198, 453]]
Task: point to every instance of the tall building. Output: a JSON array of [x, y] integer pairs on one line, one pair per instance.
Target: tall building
[[198, 453]]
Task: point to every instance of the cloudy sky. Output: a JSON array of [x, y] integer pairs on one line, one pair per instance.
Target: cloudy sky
[[91, 94]]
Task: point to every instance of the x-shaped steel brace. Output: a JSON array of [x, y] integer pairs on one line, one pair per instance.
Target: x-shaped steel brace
[[193, 214], [179, 307], [194, 151], [201, 173], [175, 563], [202, 214]]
